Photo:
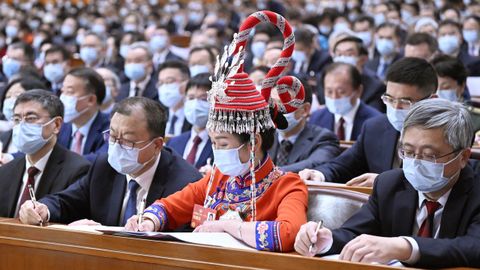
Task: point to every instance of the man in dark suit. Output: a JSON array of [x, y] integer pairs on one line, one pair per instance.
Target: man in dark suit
[[409, 80], [138, 68], [82, 94], [420, 215], [195, 145], [345, 113], [387, 43], [47, 166], [137, 167], [308, 60], [303, 145], [159, 43]]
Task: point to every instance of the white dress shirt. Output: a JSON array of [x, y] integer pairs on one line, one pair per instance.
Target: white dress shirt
[[141, 86], [178, 124], [349, 118], [144, 181], [291, 139], [84, 130], [40, 165], [160, 57], [203, 135]]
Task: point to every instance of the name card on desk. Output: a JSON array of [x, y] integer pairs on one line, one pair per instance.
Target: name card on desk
[[210, 239]]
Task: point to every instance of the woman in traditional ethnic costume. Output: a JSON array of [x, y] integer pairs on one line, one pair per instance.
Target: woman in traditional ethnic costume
[[241, 126]]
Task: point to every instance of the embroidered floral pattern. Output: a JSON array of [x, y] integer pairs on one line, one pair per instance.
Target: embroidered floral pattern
[[159, 212], [267, 236]]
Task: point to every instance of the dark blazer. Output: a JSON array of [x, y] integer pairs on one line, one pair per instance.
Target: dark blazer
[[391, 209], [324, 118], [6, 139], [374, 63], [62, 169], [94, 143], [150, 90], [314, 145], [99, 196], [373, 152], [373, 89], [319, 60], [178, 143]]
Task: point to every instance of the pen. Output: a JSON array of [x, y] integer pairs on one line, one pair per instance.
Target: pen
[[319, 226], [140, 213], [34, 200]]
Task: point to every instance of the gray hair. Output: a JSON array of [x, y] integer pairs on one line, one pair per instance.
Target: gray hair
[[452, 117], [112, 75], [141, 45]]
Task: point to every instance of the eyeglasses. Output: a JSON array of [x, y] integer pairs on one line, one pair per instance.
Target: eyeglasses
[[30, 119], [431, 158], [401, 102], [124, 144]]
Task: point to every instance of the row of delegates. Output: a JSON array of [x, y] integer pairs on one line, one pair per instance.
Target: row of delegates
[[409, 80], [425, 215], [47, 166], [136, 167]]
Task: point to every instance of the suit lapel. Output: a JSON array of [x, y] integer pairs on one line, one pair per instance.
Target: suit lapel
[[92, 134], [389, 142], [405, 205], [157, 188], [359, 118], [206, 153], [300, 145], [330, 123], [52, 169], [452, 214], [119, 184], [13, 190]]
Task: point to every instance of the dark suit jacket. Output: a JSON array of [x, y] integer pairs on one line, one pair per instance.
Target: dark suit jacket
[[178, 143], [6, 139], [373, 152], [150, 90], [373, 89], [62, 169], [319, 60], [391, 209], [314, 145], [324, 118], [375, 62], [99, 195], [94, 143]]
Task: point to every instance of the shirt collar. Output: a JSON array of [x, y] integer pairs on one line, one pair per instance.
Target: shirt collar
[[442, 200], [41, 163], [142, 85], [291, 139], [350, 116], [179, 113], [261, 172], [85, 128], [146, 178], [202, 134]]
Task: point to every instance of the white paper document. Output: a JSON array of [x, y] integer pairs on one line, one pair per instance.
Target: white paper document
[[395, 263], [96, 229]]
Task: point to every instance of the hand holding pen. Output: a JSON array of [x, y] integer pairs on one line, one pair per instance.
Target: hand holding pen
[[33, 199]]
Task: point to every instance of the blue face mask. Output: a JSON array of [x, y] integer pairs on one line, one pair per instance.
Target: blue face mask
[[366, 37], [7, 108], [351, 60], [125, 161], [448, 94], [258, 49], [54, 72], [88, 55], [70, 107], [169, 94], [11, 31], [292, 122], [11, 67], [471, 36], [385, 46], [448, 44], [229, 163], [99, 29], [196, 112], [379, 18], [135, 71], [158, 42], [124, 50], [396, 117], [28, 137], [340, 106], [426, 176], [197, 69], [67, 30]]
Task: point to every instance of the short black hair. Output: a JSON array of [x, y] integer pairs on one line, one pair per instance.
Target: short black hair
[[365, 18], [59, 49], [415, 72], [27, 83], [27, 50], [447, 66], [473, 17], [358, 43], [49, 101], [308, 91], [396, 30], [268, 137], [180, 65], [94, 83], [155, 114], [355, 76], [304, 36], [423, 38], [452, 23], [201, 80], [211, 55]]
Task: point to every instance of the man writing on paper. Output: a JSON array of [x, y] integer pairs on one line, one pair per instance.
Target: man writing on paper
[[137, 166], [426, 214], [409, 80]]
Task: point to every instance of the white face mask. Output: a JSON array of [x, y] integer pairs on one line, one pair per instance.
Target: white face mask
[[28, 137], [426, 176], [396, 117], [196, 112], [229, 163], [292, 122], [169, 94], [351, 60], [70, 110], [7, 108], [125, 161], [340, 106], [197, 69], [448, 94]]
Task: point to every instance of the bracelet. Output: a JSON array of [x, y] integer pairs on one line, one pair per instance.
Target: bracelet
[[240, 230]]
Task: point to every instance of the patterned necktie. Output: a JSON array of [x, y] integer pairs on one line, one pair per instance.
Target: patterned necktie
[[193, 152], [427, 225], [283, 151], [77, 148], [131, 208], [32, 171], [341, 129]]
